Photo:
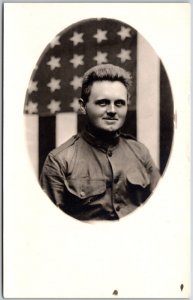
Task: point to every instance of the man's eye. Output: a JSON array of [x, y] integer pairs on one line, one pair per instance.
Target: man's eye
[[120, 103], [102, 102]]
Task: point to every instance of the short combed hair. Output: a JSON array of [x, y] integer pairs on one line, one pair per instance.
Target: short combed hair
[[104, 72]]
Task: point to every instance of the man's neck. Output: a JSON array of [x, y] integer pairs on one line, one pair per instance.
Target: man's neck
[[101, 134]]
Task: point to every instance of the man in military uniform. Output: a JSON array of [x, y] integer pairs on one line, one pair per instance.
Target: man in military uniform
[[100, 174]]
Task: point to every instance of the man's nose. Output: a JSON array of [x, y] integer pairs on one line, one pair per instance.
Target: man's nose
[[111, 109]]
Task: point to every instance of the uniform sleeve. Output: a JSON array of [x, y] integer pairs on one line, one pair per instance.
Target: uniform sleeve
[[52, 180], [152, 170]]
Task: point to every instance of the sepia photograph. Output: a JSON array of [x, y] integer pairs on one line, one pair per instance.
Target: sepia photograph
[[104, 172], [99, 205]]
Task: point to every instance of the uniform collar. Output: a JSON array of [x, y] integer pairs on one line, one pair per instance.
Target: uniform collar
[[101, 141]]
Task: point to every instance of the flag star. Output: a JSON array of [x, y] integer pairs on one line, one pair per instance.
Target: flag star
[[54, 106], [124, 32], [55, 41], [76, 82], [100, 57], [32, 86], [100, 35], [31, 107], [54, 84], [54, 62], [75, 104], [124, 55], [77, 60], [77, 38]]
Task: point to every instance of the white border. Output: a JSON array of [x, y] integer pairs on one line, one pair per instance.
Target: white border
[[47, 254]]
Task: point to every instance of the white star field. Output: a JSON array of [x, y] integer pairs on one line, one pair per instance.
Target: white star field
[[31, 108], [100, 35], [124, 33], [76, 82], [54, 106], [124, 55], [77, 38], [101, 57], [77, 58], [54, 62], [55, 41], [54, 84], [32, 86]]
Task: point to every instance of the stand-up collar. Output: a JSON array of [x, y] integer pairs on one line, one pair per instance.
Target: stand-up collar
[[101, 141]]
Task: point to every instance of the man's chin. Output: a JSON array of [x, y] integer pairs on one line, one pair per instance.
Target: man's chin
[[110, 129], [103, 129]]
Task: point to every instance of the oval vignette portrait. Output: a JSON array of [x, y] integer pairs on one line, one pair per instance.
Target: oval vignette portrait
[[99, 120]]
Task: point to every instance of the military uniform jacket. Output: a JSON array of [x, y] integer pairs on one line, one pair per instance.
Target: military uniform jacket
[[92, 179]]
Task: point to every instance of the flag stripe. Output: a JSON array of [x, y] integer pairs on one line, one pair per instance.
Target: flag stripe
[[148, 97], [130, 125], [47, 129], [81, 122], [32, 129], [66, 126], [166, 118]]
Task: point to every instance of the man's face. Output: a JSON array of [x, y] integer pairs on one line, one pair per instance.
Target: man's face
[[106, 108]]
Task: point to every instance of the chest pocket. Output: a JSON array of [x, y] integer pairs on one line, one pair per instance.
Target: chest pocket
[[138, 186], [84, 188]]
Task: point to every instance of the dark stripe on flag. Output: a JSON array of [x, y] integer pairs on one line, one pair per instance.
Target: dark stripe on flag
[[47, 140], [81, 122], [166, 118], [130, 125]]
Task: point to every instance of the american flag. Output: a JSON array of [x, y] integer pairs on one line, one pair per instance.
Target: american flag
[[51, 105]]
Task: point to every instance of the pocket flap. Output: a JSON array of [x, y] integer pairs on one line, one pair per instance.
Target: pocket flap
[[84, 188], [139, 177]]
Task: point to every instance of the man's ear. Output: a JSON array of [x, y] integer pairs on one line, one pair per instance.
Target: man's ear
[[128, 101], [82, 106]]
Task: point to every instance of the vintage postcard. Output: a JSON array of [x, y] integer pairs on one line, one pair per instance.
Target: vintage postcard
[[96, 157]]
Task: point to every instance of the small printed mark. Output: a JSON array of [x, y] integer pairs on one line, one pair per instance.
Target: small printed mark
[[181, 287], [115, 292]]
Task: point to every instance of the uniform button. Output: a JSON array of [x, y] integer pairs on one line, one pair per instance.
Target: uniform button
[[109, 184], [118, 208], [110, 153], [82, 194]]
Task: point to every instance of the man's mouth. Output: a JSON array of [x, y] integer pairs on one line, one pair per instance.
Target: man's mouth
[[110, 119]]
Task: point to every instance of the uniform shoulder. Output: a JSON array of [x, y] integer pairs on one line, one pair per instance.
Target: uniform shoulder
[[65, 146], [127, 136], [136, 146]]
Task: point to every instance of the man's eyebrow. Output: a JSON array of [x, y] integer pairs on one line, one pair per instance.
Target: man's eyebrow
[[102, 99], [123, 100], [106, 99]]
